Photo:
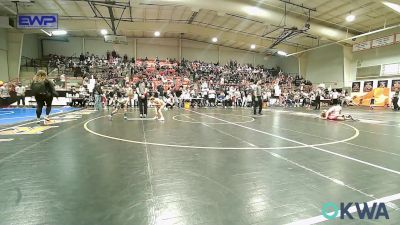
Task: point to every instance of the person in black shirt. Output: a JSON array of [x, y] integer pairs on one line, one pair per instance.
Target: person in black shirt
[[396, 101], [82, 57], [318, 102], [44, 92], [178, 94]]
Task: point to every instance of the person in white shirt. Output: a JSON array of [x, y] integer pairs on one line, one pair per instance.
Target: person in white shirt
[[211, 97], [20, 89], [135, 99], [185, 95], [204, 95], [62, 79], [169, 102], [238, 97], [244, 99], [129, 93], [4, 92], [249, 97], [335, 97], [342, 98], [204, 84]]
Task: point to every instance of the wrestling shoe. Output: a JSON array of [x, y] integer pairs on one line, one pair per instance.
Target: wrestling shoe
[[46, 120]]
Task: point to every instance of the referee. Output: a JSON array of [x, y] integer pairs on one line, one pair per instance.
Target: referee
[[257, 97], [141, 90]]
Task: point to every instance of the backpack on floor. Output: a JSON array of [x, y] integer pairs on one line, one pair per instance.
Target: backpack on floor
[[39, 88]]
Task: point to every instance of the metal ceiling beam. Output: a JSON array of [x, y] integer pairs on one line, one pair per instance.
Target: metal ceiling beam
[[80, 9], [192, 17], [59, 6], [112, 3], [112, 19], [201, 24], [298, 5], [192, 29], [347, 39], [8, 9], [315, 18]]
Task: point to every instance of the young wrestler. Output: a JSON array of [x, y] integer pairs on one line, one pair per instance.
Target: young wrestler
[[335, 113], [158, 106], [120, 101]]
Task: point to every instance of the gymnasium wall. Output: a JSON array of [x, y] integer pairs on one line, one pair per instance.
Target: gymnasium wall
[[325, 65], [3, 55], [269, 61], [377, 56], [240, 56], [289, 64], [31, 46], [194, 50], [161, 47], [73, 46], [336, 63]]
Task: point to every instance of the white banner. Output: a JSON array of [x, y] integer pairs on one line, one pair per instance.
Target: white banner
[[362, 46], [383, 41], [390, 69]]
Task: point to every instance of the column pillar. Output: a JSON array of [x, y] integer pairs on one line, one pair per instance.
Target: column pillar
[[219, 54], [180, 48], [15, 41], [348, 74], [83, 45], [135, 48]]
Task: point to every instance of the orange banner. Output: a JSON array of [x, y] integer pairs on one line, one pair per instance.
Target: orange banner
[[381, 96]]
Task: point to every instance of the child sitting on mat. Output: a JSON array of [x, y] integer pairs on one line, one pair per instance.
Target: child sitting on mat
[[158, 106]]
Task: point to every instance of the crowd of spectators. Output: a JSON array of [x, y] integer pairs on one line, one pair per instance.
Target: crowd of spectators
[[201, 83]]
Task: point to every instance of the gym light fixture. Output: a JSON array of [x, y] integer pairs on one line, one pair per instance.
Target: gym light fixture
[[157, 33], [350, 18], [58, 32], [253, 46], [394, 6], [282, 53], [214, 39], [103, 32], [254, 11], [48, 33]]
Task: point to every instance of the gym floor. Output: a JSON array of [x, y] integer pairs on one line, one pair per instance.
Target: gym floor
[[200, 166], [9, 116]]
